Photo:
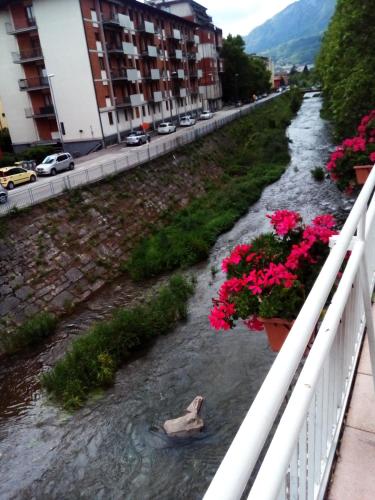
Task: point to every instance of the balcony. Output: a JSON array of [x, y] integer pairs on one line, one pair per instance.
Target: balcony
[[129, 49], [137, 99], [150, 52], [30, 25], [112, 21], [28, 55], [192, 56], [154, 74], [193, 74], [114, 49], [175, 54], [37, 83], [147, 27], [158, 96], [175, 35], [119, 74], [123, 102], [133, 75], [42, 112], [183, 92]]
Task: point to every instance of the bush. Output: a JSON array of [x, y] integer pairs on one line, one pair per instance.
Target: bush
[[32, 332], [318, 174], [94, 358]]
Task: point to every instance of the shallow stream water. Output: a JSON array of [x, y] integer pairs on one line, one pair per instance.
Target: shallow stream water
[[108, 449]]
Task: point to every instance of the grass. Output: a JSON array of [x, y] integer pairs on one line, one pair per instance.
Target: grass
[[255, 155], [94, 358], [31, 332]]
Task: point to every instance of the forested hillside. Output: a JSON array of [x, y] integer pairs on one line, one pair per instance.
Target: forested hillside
[[346, 64]]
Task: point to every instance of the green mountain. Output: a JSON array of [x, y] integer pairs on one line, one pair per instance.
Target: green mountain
[[294, 34]]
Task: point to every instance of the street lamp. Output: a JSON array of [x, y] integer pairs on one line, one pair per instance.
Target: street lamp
[[50, 76]]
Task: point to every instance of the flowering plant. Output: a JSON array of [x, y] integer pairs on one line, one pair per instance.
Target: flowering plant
[[359, 150], [271, 276]]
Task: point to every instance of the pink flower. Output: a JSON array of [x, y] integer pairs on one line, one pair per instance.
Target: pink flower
[[253, 323], [237, 255], [220, 317], [284, 221], [372, 157], [233, 285]]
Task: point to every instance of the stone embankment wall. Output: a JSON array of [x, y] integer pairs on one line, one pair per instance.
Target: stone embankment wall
[[59, 253]]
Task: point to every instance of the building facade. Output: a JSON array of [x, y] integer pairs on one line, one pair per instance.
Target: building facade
[[89, 71]]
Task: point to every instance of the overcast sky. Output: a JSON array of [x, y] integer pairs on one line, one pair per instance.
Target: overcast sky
[[241, 16]]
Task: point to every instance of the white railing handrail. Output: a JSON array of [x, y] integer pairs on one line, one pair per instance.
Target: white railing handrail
[[234, 472]]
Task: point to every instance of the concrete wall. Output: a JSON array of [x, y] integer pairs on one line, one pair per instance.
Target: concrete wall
[[15, 102], [64, 47]]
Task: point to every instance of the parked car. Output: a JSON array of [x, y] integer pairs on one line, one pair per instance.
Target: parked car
[[12, 176], [137, 138], [166, 128], [3, 195], [53, 164], [187, 121], [206, 115]]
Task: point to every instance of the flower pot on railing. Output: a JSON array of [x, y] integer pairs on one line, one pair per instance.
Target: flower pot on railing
[[277, 330], [362, 172]]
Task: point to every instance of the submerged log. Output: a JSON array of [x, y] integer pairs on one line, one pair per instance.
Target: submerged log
[[187, 425]]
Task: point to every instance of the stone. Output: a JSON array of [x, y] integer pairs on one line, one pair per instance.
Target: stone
[[8, 304], [74, 274], [16, 282], [187, 425], [24, 292], [5, 290], [61, 300]]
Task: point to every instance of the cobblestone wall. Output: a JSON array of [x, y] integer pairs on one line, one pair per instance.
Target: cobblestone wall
[[61, 252]]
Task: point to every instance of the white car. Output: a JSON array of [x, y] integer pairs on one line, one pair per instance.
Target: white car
[[206, 115], [166, 128], [53, 164], [187, 121]]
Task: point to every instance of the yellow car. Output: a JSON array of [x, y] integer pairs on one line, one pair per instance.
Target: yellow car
[[12, 176]]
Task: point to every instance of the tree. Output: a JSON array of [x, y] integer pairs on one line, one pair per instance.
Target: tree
[[346, 65], [244, 75], [305, 70]]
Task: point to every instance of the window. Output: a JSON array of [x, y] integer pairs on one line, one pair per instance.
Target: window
[[97, 36], [62, 128], [110, 117], [101, 63]]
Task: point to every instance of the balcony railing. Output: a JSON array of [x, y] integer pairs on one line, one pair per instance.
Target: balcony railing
[[36, 83], [112, 20], [175, 54], [147, 27], [123, 102], [30, 25], [299, 458], [153, 74], [114, 49], [27, 55], [41, 112], [119, 74], [151, 51]]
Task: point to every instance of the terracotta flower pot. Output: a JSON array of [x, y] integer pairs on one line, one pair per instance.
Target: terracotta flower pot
[[362, 172], [277, 330]]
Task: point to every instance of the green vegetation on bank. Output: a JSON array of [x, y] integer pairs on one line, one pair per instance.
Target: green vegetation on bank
[[31, 332], [346, 65], [37, 153], [94, 358], [256, 155]]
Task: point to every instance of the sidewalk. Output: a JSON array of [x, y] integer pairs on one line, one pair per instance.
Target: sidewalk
[[354, 476]]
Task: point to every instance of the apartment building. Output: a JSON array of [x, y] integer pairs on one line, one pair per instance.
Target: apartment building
[[89, 71]]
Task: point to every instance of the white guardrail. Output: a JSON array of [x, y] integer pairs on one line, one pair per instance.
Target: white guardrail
[[36, 193], [298, 460]]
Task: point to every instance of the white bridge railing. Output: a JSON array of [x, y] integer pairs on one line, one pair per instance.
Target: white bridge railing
[[298, 461]]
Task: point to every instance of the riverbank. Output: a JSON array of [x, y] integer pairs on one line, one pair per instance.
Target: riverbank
[[105, 222]]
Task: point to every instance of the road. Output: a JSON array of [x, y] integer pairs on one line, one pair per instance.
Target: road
[[101, 164]]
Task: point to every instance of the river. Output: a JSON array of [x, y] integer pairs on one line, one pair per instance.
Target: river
[[108, 449]]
